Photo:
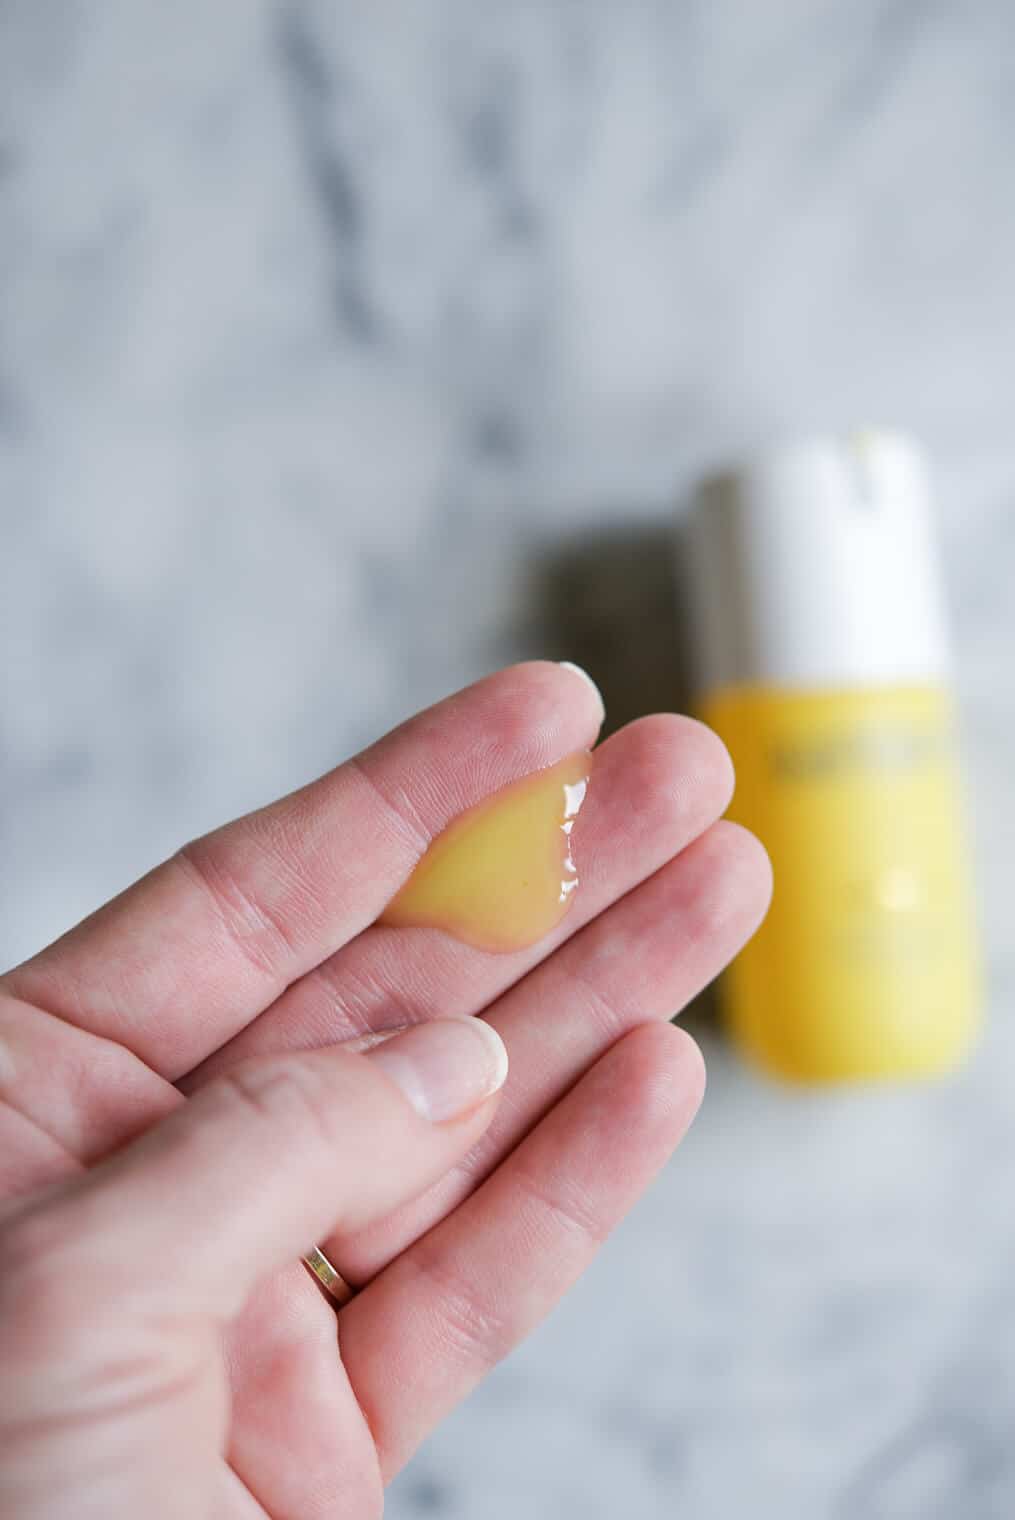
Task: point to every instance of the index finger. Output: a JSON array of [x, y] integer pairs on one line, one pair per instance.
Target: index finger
[[177, 964]]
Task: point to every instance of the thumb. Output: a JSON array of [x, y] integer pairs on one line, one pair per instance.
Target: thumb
[[263, 1162]]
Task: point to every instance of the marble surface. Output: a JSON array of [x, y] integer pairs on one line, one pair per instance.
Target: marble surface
[[347, 351]]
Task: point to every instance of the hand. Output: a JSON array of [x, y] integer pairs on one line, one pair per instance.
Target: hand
[[162, 1351]]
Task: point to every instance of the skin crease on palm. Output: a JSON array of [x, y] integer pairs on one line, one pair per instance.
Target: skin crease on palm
[[162, 1351]]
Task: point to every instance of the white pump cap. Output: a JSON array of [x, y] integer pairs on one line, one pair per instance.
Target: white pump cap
[[815, 565]]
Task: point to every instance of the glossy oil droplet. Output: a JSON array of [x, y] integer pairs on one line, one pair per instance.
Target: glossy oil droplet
[[502, 875]]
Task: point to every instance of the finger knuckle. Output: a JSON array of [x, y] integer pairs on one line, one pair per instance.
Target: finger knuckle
[[289, 1096], [473, 1332], [567, 1211], [255, 930]]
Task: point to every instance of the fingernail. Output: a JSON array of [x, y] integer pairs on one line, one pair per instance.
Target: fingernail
[[577, 670], [445, 1066]]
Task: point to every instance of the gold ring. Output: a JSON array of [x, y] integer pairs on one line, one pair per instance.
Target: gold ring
[[333, 1283]]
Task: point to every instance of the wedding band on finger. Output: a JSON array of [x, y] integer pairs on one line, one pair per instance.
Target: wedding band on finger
[[333, 1283]]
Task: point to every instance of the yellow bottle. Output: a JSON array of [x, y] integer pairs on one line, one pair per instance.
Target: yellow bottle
[[825, 669]]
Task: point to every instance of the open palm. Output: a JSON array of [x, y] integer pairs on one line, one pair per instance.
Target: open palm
[[261, 939]]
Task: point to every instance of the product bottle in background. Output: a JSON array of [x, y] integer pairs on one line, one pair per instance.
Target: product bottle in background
[[825, 669]]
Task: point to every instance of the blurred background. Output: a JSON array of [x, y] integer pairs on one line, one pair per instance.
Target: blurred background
[[349, 351]]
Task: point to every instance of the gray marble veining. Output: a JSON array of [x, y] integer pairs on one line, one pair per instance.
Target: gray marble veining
[[348, 351]]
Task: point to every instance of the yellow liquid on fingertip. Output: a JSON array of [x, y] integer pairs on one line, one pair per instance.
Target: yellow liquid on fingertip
[[502, 874]]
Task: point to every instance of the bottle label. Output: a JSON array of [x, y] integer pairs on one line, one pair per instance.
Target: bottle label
[[865, 966]]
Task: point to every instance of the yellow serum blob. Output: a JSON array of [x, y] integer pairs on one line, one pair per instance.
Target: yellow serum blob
[[502, 875]]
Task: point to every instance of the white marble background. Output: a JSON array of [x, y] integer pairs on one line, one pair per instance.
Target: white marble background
[[347, 351]]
